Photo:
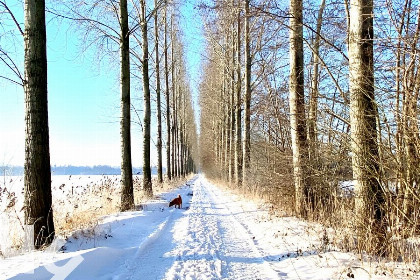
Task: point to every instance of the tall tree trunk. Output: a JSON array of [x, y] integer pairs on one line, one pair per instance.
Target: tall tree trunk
[[159, 111], [168, 117], [369, 196], [184, 137], [226, 109], [297, 109], [221, 143], [247, 117], [222, 124], [238, 128], [220, 128], [176, 123], [398, 101], [127, 194], [37, 179], [147, 172], [232, 112], [183, 140], [173, 131], [227, 136], [181, 145], [313, 103], [320, 192]]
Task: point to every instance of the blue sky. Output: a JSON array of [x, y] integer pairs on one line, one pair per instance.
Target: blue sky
[[83, 98]]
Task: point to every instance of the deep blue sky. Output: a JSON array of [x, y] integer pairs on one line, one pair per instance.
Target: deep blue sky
[[83, 98]]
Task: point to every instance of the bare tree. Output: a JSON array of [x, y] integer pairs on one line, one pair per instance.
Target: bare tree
[[369, 195], [127, 193], [37, 178], [159, 113], [167, 94], [147, 172], [103, 23], [313, 103], [174, 162], [247, 101], [232, 144], [297, 108], [238, 105]]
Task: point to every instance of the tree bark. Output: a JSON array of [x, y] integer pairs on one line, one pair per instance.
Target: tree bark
[[168, 117], [369, 196], [127, 194], [159, 110], [232, 113], [173, 131], [247, 132], [37, 177], [227, 134], [222, 125], [313, 103], [176, 123], [226, 112], [320, 194], [238, 109], [184, 136], [297, 109], [181, 137], [147, 172]]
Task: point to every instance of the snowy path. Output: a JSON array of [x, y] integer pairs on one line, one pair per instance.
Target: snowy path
[[204, 242]]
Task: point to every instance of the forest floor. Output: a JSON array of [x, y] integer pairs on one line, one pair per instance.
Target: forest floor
[[216, 235]]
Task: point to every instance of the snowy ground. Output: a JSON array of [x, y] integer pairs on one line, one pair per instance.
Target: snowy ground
[[78, 200], [216, 235]]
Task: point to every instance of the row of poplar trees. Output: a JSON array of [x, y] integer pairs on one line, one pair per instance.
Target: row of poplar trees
[[126, 27], [313, 93]]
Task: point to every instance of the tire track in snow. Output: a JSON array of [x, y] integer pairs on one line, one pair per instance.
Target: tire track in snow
[[253, 258], [204, 242], [151, 259], [132, 264], [199, 241], [213, 244]]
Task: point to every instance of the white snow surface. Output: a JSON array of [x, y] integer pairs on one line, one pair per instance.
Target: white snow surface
[[216, 235]]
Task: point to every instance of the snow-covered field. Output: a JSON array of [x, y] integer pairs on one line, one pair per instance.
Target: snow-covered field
[[216, 235], [78, 200]]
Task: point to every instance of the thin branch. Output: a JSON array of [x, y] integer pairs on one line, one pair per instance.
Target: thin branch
[[275, 16], [89, 20], [10, 80], [13, 17], [11, 65]]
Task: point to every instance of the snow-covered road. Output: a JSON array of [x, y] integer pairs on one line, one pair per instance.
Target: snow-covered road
[[204, 242]]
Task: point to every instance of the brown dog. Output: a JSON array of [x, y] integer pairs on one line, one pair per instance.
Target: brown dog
[[176, 201]]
